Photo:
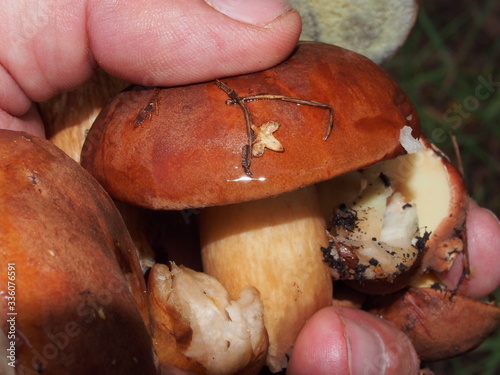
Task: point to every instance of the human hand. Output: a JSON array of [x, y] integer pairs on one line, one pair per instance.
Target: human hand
[[54, 46], [173, 42]]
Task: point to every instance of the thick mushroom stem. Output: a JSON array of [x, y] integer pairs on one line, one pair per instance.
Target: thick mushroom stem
[[274, 245]]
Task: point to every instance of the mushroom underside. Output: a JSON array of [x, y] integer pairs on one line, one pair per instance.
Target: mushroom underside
[[388, 221]]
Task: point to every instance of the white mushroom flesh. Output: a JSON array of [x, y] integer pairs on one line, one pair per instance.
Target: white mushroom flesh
[[226, 334], [375, 235], [380, 228]]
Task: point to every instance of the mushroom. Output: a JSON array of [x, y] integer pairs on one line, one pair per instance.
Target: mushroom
[[440, 324], [67, 119], [389, 225], [198, 327], [273, 245], [73, 296], [248, 152], [68, 116], [375, 29], [177, 298]]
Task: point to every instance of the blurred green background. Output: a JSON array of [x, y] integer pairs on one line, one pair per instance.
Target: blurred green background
[[449, 67]]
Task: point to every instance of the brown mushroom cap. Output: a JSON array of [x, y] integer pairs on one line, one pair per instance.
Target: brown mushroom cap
[[78, 291], [181, 147], [440, 325]]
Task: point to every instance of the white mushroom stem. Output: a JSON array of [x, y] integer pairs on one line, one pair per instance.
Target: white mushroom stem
[[274, 245]]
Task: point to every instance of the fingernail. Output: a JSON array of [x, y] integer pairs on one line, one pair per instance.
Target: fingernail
[[377, 347], [255, 12], [366, 348]]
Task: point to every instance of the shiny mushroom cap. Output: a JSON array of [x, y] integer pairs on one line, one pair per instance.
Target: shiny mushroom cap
[[323, 112]]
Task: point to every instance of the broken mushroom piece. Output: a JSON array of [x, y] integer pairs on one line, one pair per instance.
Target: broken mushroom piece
[[250, 147], [395, 220], [374, 239], [198, 327], [72, 285], [441, 325]]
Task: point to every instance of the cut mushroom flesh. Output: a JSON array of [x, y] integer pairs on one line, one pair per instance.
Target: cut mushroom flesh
[[387, 216], [197, 326]]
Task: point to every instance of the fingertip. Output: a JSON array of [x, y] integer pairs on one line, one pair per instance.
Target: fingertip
[[167, 42], [321, 347], [255, 12], [483, 243], [345, 340], [377, 346]]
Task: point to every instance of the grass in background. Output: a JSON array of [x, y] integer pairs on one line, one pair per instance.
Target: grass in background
[[452, 51]]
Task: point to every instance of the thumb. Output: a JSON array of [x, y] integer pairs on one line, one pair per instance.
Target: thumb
[[340, 340], [148, 42], [172, 42]]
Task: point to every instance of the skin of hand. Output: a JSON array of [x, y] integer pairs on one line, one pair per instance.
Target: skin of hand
[[52, 46]]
